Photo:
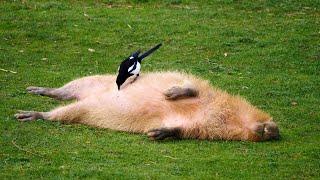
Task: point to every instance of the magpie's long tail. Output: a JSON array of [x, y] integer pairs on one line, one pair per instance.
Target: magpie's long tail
[[149, 51]]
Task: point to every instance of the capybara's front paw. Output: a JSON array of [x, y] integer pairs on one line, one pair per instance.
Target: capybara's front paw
[[163, 133], [173, 93]]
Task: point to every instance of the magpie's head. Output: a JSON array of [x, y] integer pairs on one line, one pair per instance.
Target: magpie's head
[[121, 79]]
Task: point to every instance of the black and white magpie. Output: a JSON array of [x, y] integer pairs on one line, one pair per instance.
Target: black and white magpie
[[132, 65]]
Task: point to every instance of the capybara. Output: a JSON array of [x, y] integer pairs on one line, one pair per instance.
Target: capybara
[[161, 104]]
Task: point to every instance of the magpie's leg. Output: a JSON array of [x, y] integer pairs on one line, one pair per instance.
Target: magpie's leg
[[177, 92], [163, 133], [135, 78]]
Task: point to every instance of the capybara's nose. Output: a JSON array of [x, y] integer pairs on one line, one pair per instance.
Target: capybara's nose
[[271, 131]]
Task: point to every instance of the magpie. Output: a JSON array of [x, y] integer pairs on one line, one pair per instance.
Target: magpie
[[132, 65]]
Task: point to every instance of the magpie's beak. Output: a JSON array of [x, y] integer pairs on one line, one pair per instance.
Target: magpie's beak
[[120, 80]]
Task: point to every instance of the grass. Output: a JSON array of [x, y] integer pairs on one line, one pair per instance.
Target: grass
[[266, 51]]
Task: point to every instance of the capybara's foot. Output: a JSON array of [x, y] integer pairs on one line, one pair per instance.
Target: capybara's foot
[[59, 94], [177, 92], [29, 115], [163, 133], [267, 131], [39, 90]]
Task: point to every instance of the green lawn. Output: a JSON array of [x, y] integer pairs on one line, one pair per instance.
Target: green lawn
[[267, 51]]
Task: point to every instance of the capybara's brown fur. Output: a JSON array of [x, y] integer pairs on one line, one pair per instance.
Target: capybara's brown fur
[[162, 104]]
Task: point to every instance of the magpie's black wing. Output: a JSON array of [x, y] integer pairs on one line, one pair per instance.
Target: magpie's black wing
[[129, 61], [149, 52], [135, 54]]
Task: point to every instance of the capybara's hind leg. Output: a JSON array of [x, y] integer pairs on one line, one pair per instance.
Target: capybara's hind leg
[[77, 89], [70, 113], [62, 93], [31, 115]]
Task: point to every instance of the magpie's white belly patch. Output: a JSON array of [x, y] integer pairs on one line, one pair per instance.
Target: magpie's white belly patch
[[135, 71]]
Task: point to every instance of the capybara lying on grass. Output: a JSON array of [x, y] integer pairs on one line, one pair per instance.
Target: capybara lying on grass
[[162, 105]]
